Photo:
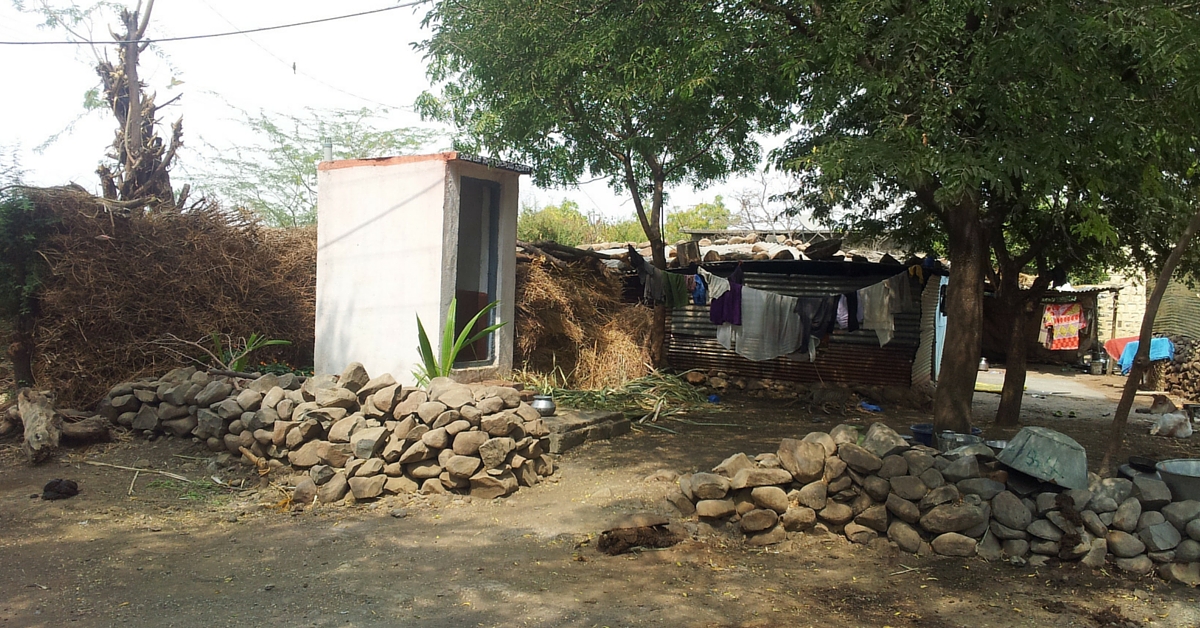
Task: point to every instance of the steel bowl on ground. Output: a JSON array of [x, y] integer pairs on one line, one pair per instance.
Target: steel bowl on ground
[[1182, 476]]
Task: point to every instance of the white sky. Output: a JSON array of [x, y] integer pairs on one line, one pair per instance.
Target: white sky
[[363, 61]]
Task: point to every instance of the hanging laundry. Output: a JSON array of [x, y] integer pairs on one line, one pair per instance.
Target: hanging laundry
[[676, 294], [699, 290], [717, 286], [875, 304], [818, 315], [727, 308], [900, 290], [770, 327], [1062, 323], [853, 313]]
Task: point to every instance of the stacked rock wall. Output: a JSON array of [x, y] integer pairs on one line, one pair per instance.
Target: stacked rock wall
[[960, 503], [1182, 375], [352, 433]]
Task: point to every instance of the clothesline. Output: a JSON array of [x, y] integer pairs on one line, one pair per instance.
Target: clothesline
[[762, 325]]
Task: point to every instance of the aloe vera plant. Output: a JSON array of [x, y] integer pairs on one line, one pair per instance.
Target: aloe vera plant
[[440, 365]]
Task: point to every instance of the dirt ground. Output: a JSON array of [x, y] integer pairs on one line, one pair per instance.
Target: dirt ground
[[154, 551]]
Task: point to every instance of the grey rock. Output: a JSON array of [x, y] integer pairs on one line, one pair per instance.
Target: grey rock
[[463, 466], [874, 517], [1094, 559], [455, 396], [1126, 517], [962, 469], [938, 496], [338, 398], [209, 423], [902, 508], [1179, 514], [749, 478], [1060, 521], [321, 474], [424, 470], [773, 536], [215, 391], [1152, 493], [146, 418], [1180, 573], [1165, 556], [979, 450], [437, 438], [798, 518], [758, 520], [985, 488], [341, 430], [1117, 489], [1193, 529], [1149, 518], [953, 544], [1008, 510], [1093, 524], [368, 487], [1187, 551], [876, 487], [905, 536], [835, 513], [429, 411], [272, 397], [415, 452], [1046, 502], [168, 411], [1160, 537], [1044, 547], [859, 534], [228, 409], [1045, 530], [334, 490], [805, 460], [709, 486], [250, 400], [731, 465], [824, 440], [953, 518], [353, 378], [400, 484], [374, 466], [908, 487], [989, 548], [368, 442], [933, 478], [715, 508], [1015, 548], [1124, 544], [893, 466], [844, 434], [813, 495], [495, 450], [180, 427], [1103, 504], [306, 456], [858, 458], [264, 383], [770, 497], [1139, 565], [1080, 498], [467, 443], [883, 441], [834, 468]]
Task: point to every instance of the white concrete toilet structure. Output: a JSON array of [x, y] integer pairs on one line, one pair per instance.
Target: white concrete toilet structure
[[400, 237]]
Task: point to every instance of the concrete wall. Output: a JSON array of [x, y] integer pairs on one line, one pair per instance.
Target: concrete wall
[[1130, 306], [387, 233], [379, 264]]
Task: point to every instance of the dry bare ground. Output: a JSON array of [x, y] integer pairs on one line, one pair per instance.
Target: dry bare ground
[[166, 554]]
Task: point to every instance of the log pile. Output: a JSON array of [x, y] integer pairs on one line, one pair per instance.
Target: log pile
[[1182, 375]]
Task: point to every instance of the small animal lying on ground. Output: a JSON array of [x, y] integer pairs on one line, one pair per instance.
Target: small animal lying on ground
[[1160, 405], [1175, 424]]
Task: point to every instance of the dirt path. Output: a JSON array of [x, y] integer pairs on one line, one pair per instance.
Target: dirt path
[[170, 556]]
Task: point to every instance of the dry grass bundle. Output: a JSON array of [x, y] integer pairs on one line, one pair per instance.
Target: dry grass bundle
[[118, 283], [570, 322]]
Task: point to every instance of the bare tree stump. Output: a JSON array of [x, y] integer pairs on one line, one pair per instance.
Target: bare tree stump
[[43, 427]]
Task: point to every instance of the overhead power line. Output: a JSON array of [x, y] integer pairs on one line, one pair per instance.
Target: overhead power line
[[212, 35]]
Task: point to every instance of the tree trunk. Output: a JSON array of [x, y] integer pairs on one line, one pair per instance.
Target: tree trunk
[[964, 324], [1008, 414], [43, 427], [1141, 360], [91, 430]]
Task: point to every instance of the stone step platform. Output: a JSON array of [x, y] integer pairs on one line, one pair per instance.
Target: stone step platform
[[572, 428]]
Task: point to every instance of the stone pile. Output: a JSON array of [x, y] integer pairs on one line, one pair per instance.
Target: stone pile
[[1182, 374], [878, 489], [351, 434]]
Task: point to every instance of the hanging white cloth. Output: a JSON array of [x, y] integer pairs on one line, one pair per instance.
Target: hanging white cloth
[[770, 326], [716, 285], [727, 335], [874, 302]]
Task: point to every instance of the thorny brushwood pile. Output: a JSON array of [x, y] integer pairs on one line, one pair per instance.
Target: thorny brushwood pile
[[122, 290], [120, 286]]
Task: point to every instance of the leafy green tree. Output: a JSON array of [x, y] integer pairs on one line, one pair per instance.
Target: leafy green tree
[[562, 223], [646, 93], [626, 230], [712, 215], [276, 177], [960, 117]]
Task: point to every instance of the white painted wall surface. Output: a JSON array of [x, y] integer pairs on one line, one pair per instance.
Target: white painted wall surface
[[387, 233], [379, 264]]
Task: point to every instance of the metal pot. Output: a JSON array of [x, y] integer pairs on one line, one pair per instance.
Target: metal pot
[[1182, 476], [544, 404]]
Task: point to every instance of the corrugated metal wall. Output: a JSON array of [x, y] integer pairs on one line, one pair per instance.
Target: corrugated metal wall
[[848, 358]]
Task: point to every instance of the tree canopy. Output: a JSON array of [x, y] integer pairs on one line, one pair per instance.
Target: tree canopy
[[645, 93], [276, 177], [714, 215]]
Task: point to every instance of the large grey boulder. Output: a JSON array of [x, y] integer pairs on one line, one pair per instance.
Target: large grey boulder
[[1008, 510], [805, 460], [883, 441], [953, 518]]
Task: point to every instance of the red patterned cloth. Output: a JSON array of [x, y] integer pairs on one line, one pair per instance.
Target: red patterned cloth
[[1115, 347], [1063, 322]]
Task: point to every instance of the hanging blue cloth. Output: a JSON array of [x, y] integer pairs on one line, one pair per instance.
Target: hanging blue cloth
[[700, 292], [1160, 349]]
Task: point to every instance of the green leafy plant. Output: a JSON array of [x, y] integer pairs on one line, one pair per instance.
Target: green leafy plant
[[234, 354], [440, 365]]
